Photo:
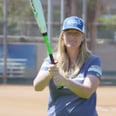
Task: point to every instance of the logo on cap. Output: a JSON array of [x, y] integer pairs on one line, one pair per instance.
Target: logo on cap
[[75, 23]]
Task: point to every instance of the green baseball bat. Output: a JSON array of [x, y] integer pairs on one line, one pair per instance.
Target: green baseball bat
[[40, 19], [39, 16]]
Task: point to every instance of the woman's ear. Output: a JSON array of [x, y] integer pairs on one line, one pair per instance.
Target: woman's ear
[[62, 35]]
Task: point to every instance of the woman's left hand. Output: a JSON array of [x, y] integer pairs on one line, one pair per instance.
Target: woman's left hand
[[59, 80]]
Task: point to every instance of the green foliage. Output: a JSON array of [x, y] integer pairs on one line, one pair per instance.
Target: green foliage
[[19, 11], [20, 16], [108, 27], [109, 20]]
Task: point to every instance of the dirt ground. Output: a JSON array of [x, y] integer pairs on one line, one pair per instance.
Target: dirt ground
[[21, 100]]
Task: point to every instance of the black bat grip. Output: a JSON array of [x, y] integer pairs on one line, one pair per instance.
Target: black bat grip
[[51, 58]]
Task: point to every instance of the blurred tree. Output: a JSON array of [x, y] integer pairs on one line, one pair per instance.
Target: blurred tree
[[107, 26], [73, 7], [18, 15], [94, 9], [19, 9], [93, 13]]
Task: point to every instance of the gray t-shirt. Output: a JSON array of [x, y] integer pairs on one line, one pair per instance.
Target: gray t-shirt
[[63, 102]]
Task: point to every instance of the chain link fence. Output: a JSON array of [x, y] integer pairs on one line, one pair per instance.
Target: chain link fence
[[22, 28]]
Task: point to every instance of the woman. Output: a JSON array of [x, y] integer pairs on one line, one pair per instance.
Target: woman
[[74, 78]]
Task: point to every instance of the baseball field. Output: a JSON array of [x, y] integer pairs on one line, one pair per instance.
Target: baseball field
[[22, 100]]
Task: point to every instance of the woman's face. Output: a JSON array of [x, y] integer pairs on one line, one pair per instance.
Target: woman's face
[[73, 38]]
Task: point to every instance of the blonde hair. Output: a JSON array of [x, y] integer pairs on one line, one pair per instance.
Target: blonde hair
[[63, 60]]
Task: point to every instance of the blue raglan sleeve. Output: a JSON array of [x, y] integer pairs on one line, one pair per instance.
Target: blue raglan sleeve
[[45, 64], [95, 67]]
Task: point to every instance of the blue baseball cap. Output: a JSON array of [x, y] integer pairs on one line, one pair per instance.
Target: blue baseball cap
[[74, 22]]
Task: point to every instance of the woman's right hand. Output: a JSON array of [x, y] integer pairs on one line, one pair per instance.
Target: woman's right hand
[[53, 70]]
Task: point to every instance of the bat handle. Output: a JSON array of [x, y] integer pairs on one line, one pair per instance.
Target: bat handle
[[52, 61], [51, 58]]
